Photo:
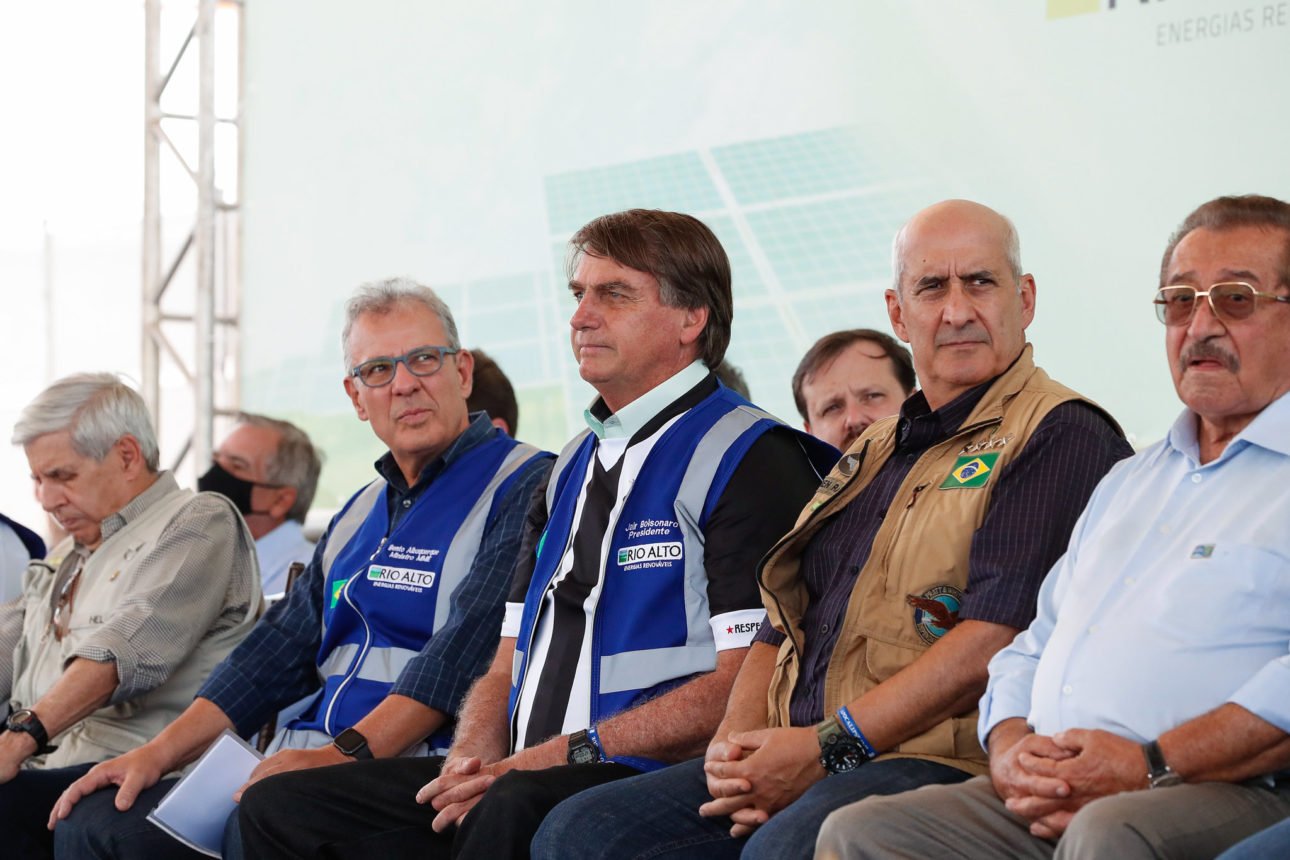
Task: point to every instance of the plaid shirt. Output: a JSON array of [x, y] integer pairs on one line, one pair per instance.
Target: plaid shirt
[[276, 664]]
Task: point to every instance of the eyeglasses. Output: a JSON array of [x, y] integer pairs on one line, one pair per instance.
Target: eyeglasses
[[61, 620], [422, 361], [1229, 302]]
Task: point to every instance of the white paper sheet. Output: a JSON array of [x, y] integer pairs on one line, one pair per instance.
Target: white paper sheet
[[194, 811]]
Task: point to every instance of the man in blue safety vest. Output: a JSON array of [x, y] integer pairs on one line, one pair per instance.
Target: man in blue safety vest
[[396, 614]]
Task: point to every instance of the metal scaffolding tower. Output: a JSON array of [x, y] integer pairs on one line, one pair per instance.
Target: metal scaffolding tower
[[192, 345]]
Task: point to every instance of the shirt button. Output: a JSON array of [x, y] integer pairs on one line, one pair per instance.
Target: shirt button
[[909, 458], [1166, 529], [407, 503], [1196, 479], [1092, 630], [1128, 580], [1067, 690], [824, 628]]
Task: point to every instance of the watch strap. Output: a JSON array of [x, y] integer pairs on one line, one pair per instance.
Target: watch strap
[[1159, 773], [25, 720]]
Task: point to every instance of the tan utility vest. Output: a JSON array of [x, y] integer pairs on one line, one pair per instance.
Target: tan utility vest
[[39, 658], [920, 551]]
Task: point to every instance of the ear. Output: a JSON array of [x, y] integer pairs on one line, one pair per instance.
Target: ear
[[465, 371], [806, 425], [130, 455], [896, 314], [1027, 287], [283, 499], [694, 321], [500, 424], [351, 388]]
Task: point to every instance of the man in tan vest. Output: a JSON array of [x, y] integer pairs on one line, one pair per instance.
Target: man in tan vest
[[115, 631], [918, 558]]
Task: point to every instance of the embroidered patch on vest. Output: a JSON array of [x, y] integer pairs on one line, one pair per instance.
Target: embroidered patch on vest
[[400, 578], [643, 555], [970, 471], [987, 444], [336, 588], [936, 612], [849, 464]]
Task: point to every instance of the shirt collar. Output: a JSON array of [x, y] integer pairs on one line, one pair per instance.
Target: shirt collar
[[1270, 429], [163, 486], [479, 429], [624, 423], [945, 421], [287, 533]]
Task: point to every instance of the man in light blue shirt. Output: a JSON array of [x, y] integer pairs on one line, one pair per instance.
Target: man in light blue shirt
[[1145, 711], [269, 470]]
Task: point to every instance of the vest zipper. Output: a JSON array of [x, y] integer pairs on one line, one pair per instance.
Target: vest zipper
[[362, 652]]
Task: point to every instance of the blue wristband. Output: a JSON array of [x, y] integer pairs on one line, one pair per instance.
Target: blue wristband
[[594, 737], [849, 723]]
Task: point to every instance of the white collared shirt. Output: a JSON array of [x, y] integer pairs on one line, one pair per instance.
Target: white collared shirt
[[276, 551], [1172, 599]]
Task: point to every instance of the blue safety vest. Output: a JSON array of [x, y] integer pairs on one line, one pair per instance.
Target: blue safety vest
[[650, 632], [387, 591]]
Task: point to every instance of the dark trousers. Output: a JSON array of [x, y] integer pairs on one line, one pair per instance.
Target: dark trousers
[[369, 809], [25, 804]]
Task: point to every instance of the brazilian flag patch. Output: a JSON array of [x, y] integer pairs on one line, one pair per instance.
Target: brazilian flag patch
[[336, 588], [970, 471]]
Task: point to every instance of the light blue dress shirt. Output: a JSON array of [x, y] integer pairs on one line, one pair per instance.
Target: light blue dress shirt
[[276, 551], [1173, 596]]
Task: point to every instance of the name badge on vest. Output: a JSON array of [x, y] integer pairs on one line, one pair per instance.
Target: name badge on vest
[[971, 471], [400, 578]]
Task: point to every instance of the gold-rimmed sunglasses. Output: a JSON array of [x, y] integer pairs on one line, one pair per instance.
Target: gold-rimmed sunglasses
[[1229, 301]]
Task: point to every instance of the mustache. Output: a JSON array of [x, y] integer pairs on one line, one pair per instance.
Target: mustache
[[1203, 350], [969, 333]]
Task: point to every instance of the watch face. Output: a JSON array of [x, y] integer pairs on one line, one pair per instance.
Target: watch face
[[584, 753], [349, 742], [842, 755]]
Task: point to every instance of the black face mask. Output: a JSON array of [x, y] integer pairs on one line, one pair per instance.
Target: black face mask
[[219, 480]]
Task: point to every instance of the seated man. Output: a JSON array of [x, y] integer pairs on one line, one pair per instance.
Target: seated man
[[627, 624], [494, 394], [395, 615], [18, 545], [269, 470], [1159, 653], [849, 379], [156, 585], [918, 558]]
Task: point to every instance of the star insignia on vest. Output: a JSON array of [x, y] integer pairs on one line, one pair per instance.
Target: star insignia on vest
[[936, 612], [970, 471], [1203, 550]]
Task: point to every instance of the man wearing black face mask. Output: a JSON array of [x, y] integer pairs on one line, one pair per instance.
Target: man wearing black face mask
[[269, 470]]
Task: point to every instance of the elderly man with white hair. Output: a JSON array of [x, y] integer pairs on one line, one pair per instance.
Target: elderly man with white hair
[[155, 586]]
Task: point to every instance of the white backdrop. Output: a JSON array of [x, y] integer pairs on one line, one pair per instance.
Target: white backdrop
[[463, 143]]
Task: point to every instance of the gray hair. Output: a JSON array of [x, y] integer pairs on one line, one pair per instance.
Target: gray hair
[[296, 463], [1011, 253], [381, 297], [98, 409]]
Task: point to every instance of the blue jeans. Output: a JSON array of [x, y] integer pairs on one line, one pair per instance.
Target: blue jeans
[[97, 831], [1273, 842], [656, 815]]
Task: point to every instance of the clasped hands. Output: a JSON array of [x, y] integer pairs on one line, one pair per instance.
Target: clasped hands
[[753, 775], [1047, 779]]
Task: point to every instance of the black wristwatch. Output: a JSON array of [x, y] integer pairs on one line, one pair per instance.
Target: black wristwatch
[[839, 752], [352, 743], [584, 748], [1159, 773], [26, 720]]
